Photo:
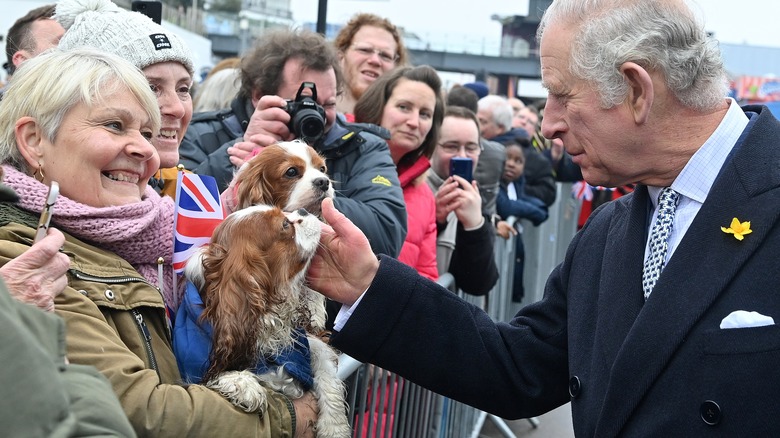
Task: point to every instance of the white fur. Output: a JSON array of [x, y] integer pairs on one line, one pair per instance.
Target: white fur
[[246, 390], [302, 191]]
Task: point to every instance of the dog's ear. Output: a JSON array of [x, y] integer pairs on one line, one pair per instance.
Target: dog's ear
[[235, 295], [254, 186]]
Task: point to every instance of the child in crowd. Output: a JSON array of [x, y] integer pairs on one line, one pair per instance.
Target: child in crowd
[[512, 201]]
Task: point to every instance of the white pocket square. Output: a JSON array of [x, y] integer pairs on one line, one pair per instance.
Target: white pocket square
[[744, 319]]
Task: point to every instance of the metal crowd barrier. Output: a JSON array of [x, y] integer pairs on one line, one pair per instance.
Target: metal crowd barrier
[[385, 405]]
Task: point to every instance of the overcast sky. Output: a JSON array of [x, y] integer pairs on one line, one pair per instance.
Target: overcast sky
[[755, 22]]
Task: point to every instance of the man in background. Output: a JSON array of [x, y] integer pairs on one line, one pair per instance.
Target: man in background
[[358, 160], [30, 35], [495, 123], [368, 46]]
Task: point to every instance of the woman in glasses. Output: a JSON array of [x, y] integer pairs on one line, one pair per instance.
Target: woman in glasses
[[465, 236], [368, 46]]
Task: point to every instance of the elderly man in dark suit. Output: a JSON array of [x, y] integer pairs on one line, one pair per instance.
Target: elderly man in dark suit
[[661, 320]]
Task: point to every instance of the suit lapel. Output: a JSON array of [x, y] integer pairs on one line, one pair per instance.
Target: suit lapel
[[701, 267], [620, 292]]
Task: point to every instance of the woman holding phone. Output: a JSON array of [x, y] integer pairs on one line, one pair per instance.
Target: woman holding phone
[[407, 102], [465, 238]]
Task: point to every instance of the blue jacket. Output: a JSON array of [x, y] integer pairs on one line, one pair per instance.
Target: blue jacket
[[192, 345], [524, 207]]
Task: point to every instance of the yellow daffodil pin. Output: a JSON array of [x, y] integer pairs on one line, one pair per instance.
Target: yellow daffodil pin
[[738, 229]]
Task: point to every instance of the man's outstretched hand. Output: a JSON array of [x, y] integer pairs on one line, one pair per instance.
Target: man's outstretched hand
[[344, 265]]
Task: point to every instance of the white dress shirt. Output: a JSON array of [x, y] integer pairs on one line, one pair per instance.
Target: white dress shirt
[[697, 177]]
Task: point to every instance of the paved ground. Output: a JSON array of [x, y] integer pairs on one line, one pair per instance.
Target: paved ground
[[554, 424]]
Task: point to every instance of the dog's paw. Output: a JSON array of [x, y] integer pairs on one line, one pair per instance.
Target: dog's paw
[[243, 389]]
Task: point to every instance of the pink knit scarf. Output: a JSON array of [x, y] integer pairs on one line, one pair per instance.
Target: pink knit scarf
[[140, 233]]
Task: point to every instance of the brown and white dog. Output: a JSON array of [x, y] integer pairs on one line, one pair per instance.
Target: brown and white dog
[[289, 175], [251, 278]]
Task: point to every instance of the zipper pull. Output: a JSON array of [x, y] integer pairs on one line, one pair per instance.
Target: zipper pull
[[142, 324]]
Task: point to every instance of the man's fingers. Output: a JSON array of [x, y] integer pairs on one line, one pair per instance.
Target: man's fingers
[[337, 221]]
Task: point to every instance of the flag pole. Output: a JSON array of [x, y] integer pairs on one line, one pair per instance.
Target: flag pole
[[179, 174]]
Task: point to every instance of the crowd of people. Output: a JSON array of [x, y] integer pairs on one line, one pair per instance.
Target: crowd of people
[[621, 326]]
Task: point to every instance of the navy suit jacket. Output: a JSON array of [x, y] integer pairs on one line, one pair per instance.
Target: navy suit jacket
[[630, 368]]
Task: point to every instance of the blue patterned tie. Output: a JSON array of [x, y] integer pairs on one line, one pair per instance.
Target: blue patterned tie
[[659, 239]]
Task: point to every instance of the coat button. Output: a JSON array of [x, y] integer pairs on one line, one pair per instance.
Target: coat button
[[83, 292], [710, 412], [109, 294], [574, 387]]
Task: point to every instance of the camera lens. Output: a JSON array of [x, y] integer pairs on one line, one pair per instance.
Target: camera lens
[[308, 124]]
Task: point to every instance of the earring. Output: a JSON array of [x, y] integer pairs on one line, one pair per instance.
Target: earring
[[38, 175]]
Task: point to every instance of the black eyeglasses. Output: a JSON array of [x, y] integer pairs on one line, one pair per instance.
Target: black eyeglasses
[[453, 148]]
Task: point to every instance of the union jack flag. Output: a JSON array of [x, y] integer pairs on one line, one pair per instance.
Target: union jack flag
[[582, 190], [198, 213]]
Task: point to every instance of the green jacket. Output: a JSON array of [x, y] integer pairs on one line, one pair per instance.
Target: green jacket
[[116, 322], [42, 395]]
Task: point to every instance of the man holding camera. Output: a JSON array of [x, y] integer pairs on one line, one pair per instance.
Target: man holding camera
[[281, 76]]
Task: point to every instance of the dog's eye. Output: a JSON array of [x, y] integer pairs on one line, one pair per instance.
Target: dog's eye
[[286, 224], [291, 172], [323, 169]]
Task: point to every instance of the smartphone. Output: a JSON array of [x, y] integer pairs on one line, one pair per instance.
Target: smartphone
[[463, 167], [48, 209], [150, 8]]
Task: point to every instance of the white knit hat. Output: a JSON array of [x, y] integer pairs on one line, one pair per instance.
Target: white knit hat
[[131, 35]]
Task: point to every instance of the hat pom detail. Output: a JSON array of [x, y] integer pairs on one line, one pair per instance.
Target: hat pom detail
[[67, 10]]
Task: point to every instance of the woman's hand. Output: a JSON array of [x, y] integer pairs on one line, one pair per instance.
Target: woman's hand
[[306, 412], [458, 195], [505, 230], [38, 274]]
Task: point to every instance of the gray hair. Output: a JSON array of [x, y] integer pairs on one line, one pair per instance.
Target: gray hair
[[500, 107], [47, 86], [662, 35], [217, 91]]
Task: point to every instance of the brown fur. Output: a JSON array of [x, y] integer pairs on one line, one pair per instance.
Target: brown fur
[[270, 177], [244, 281]]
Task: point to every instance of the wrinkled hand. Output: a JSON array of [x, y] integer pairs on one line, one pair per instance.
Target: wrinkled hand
[[505, 230], [268, 124], [344, 265], [38, 275], [306, 412], [456, 194]]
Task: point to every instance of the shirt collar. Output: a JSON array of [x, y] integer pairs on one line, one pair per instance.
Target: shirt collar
[[702, 169]]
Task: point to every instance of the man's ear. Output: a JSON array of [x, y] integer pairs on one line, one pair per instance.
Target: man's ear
[[19, 57], [256, 95], [640, 91], [29, 140]]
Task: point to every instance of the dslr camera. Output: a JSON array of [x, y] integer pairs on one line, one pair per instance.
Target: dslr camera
[[307, 118]]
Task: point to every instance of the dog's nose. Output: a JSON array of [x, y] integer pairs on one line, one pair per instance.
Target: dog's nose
[[322, 183], [302, 212]]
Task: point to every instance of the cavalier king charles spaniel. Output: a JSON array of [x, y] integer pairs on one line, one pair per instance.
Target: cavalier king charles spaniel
[[289, 175], [251, 279]]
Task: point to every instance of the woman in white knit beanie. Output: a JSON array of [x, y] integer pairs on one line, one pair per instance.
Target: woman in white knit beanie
[[160, 54]]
